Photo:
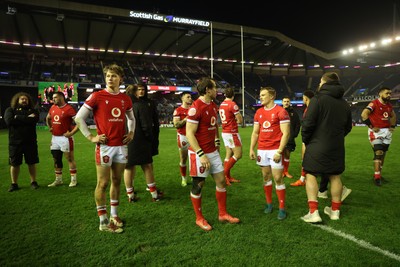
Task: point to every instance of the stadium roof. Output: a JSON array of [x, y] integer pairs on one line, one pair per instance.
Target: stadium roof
[[65, 30]]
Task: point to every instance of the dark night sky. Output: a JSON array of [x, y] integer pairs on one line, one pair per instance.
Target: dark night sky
[[329, 26]]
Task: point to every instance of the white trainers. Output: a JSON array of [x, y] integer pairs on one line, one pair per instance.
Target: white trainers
[[73, 183], [323, 194], [333, 214], [345, 193], [184, 182], [56, 183], [312, 217], [117, 221], [110, 228]]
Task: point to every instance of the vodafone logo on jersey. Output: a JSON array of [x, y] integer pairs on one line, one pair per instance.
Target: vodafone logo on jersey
[[213, 120], [116, 112], [56, 119], [266, 124]]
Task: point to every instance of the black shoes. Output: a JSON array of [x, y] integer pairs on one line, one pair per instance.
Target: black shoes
[[13, 187], [378, 182], [34, 185]]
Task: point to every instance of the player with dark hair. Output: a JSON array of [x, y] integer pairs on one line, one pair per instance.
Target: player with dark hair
[[230, 118], [60, 120], [110, 108], [202, 133], [380, 118], [21, 118], [325, 125], [294, 132], [307, 95], [179, 120], [271, 131]]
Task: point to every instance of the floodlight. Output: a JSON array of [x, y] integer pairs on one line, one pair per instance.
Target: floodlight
[[11, 10], [60, 17]]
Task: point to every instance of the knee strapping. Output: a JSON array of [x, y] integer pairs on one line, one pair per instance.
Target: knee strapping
[[378, 155], [197, 185], [57, 157]]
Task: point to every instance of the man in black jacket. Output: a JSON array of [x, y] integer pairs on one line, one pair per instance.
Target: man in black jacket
[[325, 125], [21, 118], [294, 132]]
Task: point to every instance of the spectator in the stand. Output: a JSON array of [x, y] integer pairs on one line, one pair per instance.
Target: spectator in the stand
[[21, 118], [294, 132], [180, 117], [230, 118], [141, 149]]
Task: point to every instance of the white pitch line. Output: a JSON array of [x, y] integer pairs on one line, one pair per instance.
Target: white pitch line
[[359, 242]]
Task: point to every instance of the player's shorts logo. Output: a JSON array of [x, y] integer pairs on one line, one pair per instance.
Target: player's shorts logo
[[202, 169], [106, 159], [258, 159]]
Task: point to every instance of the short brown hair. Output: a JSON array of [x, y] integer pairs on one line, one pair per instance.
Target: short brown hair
[[229, 92], [271, 91], [114, 68]]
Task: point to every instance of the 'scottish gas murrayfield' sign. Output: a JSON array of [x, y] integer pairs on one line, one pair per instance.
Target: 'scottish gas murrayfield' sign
[[168, 18]]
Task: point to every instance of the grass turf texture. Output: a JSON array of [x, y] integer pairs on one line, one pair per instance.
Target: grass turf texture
[[59, 226]]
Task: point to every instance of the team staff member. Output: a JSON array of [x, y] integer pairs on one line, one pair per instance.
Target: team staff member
[[380, 118], [60, 121], [294, 132], [230, 117], [140, 150], [109, 107], [21, 118], [179, 120], [307, 95], [202, 133], [271, 131]]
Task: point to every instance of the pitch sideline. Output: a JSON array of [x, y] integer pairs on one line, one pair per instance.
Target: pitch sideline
[[359, 242]]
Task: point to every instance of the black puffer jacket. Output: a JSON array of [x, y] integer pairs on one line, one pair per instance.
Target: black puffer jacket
[[326, 123]]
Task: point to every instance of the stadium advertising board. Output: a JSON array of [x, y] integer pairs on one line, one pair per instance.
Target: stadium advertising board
[[46, 90], [168, 88], [168, 18]]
